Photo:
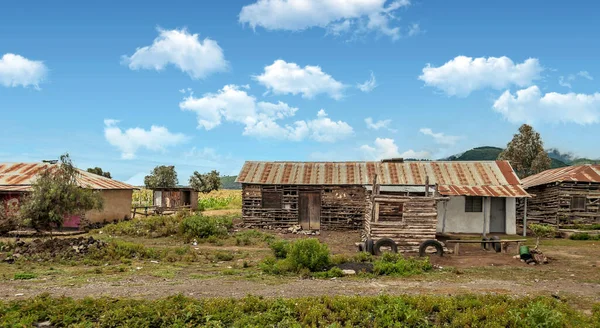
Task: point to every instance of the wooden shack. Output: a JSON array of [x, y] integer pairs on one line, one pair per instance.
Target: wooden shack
[[564, 195], [174, 199], [336, 195]]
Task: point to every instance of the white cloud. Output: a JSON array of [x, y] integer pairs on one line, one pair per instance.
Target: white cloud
[[197, 58], [585, 74], [289, 78], [129, 141], [17, 71], [260, 118], [386, 148], [334, 15], [565, 82], [369, 84], [530, 106], [382, 124], [414, 29], [463, 75], [440, 138]]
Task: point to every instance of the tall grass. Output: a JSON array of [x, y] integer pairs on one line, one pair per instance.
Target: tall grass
[[220, 199], [325, 311]]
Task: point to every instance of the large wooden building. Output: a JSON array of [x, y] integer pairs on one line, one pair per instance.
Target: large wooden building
[[565, 195], [336, 195], [16, 180]]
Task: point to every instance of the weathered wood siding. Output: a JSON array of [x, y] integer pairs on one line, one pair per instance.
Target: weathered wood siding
[[552, 204], [342, 207]]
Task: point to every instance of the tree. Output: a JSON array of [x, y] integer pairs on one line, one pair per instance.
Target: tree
[[162, 177], [98, 171], [55, 195], [206, 182], [526, 152]]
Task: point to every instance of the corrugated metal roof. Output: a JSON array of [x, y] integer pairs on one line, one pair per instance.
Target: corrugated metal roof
[[580, 173], [20, 176], [476, 178]]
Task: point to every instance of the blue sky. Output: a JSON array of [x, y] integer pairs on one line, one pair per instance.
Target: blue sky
[[208, 84]]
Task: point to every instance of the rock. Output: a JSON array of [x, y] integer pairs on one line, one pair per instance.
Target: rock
[[43, 324], [9, 260], [19, 294], [156, 262], [348, 272]]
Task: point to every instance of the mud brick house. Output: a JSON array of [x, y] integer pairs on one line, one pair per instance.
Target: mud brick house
[[16, 180], [336, 195], [565, 195]]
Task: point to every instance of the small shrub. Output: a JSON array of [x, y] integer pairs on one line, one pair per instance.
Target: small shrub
[[310, 254], [280, 248], [391, 264], [224, 256], [543, 230], [334, 272], [271, 265], [24, 276], [205, 226]]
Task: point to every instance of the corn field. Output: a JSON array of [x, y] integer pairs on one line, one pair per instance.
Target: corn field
[[220, 199]]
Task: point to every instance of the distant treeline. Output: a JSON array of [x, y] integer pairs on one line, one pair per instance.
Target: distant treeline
[[228, 182]]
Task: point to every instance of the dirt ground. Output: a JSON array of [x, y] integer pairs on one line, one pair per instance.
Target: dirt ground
[[572, 274]]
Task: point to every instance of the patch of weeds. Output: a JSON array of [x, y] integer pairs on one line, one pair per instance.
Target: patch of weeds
[[303, 256], [24, 276], [280, 248], [217, 241], [334, 272], [391, 264], [231, 272], [224, 256], [584, 236], [199, 226]]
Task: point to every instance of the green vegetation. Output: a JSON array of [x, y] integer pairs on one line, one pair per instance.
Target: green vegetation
[[183, 225], [543, 230], [594, 226], [339, 311], [228, 182], [391, 264], [584, 236], [219, 200], [301, 256], [478, 154], [24, 276], [162, 176], [205, 182], [98, 171]]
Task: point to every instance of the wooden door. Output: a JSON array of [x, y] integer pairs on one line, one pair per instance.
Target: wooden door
[[498, 215], [309, 212]]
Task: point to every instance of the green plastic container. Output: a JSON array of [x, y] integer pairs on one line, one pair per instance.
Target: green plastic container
[[523, 250]]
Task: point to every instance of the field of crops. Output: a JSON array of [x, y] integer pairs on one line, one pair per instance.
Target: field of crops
[[220, 199]]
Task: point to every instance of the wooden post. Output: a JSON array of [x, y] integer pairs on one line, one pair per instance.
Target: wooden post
[[374, 205], [444, 217], [525, 218], [484, 218], [426, 186], [456, 247]]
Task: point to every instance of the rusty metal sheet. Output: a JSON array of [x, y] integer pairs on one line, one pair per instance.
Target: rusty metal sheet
[[476, 178], [20, 176], [581, 173]]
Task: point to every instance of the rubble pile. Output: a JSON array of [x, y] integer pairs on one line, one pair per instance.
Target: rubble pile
[[62, 248], [296, 229]]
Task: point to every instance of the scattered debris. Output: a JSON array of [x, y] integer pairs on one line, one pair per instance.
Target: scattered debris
[[65, 248], [19, 294], [348, 272]]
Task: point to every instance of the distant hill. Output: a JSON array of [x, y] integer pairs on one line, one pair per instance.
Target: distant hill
[[488, 153], [228, 182]]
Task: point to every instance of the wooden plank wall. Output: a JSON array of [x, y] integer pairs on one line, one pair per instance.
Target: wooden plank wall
[[552, 204], [418, 223], [342, 207]]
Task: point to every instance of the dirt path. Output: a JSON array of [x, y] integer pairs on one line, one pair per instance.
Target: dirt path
[[151, 288]]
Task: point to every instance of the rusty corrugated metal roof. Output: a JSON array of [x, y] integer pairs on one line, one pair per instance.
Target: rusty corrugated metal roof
[[485, 178], [20, 176], [581, 173]]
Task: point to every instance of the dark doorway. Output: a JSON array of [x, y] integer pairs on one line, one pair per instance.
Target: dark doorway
[[310, 210], [498, 215], [187, 197]]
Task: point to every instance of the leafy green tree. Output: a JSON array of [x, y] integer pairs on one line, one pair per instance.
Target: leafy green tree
[[162, 176], [55, 195], [206, 182], [98, 171], [526, 152]]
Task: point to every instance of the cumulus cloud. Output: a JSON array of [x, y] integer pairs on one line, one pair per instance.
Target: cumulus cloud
[[233, 103], [337, 17], [463, 75], [158, 138], [197, 58], [17, 71], [289, 78], [368, 85], [384, 148], [440, 138], [382, 124], [530, 106]]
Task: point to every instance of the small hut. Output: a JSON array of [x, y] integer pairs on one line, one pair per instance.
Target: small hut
[[174, 199], [565, 195]]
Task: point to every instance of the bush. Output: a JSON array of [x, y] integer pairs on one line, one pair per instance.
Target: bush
[[334, 272], [391, 264], [280, 248], [24, 276], [151, 226], [205, 226], [309, 254], [584, 236], [543, 230]]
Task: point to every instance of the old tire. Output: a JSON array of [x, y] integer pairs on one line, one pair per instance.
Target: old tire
[[361, 246], [496, 246], [439, 250], [384, 242], [369, 246], [484, 246]]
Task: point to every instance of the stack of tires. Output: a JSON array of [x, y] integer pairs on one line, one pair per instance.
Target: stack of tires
[[375, 248]]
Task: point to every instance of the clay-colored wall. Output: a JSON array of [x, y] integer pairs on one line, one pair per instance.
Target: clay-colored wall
[[117, 206]]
